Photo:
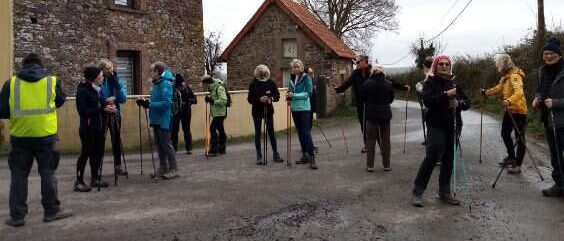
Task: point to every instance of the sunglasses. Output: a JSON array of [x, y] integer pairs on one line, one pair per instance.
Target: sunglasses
[[443, 64]]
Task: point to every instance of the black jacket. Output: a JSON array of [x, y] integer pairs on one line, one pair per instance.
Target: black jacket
[[378, 93], [89, 107], [188, 97], [258, 89], [551, 85], [436, 100], [356, 80], [29, 73]]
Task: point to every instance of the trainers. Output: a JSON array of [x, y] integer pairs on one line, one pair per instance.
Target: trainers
[[387, 169], [507, 161], [61, 214], [363, 150], [276, 158], [189, 152], [417, 201], [169, 175], [304, 159], [80, 186], [103, 184], [554, 191], [370, 169], [514, 170], [15, 223], [448, 198]]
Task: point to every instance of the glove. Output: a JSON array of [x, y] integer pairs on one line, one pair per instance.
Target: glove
[[143, 103], [140, 102], [483, 91], [208, 99]]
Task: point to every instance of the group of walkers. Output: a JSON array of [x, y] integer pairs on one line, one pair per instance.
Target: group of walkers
[[30, 100]]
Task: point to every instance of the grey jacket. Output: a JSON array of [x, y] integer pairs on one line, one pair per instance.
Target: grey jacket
[[556, 93]]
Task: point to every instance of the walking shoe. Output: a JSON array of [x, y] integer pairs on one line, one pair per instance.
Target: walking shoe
[[417, 201], [222, 150], [316, 149], [212, 153], [61, 214], [169, 175], [363, 150], [554, 191], [370, 169], [103, 184], [514, 170], [15, 223], [387, 169], [304, 159], [276, 157], [120, 171], [188, 152], [259, 160], [312, 164], [80, 186], [448, 198], [507, 161]]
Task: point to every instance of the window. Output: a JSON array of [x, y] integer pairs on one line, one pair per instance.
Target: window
[[286, 73], [127, 69], [290, 48], [124, 3]]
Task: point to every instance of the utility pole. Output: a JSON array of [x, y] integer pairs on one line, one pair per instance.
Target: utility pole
[[541, 31]]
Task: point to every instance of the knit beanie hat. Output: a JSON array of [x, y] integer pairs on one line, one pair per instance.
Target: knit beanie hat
[[91, 73], [178, 79], [553, 45]]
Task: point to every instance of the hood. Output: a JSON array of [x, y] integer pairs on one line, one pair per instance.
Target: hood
[[31, 73], [167, 75], [516, 71]]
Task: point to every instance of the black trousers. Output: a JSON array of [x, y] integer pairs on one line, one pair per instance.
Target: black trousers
[[440, 146], [112, 123], [556, 145], [507, 127], [258, 133], [218, 136], [20, 161], [92, 149], [184, 118]]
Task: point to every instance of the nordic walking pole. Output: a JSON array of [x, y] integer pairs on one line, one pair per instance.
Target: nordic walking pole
[[323, 133], [99, 179], [556, 146], [206, 132], [289, 135], [342, 128], [123, 154], [405, 121], [140, 142], [502, 168], [522, 139], [422, 119], [265, 142], [151, 145], [455, 134], [482, 121]]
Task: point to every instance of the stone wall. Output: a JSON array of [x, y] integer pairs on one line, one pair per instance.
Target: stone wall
[[263, 45], [69, 34]]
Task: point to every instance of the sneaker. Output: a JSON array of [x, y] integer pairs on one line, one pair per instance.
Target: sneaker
[[102, 184], [448, 198], [514, 170], [554, 191], [387, 169], [189, 152], [370, 169], [120, 171], [507, 161], [174, 173], [61, 214], [304, 159], [276, 158], [363, 150], [417, 201], [169, 175], [81, 187], [15, 223]]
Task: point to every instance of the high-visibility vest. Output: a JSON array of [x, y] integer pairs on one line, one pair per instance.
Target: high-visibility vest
[[32, 107]]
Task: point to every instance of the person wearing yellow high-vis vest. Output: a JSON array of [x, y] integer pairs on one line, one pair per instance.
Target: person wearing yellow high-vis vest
[[29, 100]]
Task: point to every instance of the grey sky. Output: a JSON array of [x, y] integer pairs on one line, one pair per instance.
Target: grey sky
[[484, 27]]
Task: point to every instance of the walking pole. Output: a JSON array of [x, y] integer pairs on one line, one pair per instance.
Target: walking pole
[[289, 135], [405, 121], [364, 124], [323, 134], [99, 179], [151, 145], [140, 142], [422, 119], [556, 146], [342, 128], [455, 134], [481, 122], [522, 139], [265, 142], [123, 154], [206, 132]]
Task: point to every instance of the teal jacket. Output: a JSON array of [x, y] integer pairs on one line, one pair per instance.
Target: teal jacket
[[302, 89], [219, 96], [160, 107]]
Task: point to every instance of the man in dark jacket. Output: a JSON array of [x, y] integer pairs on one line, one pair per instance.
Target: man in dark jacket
[[549, 97], [445, 101], [377, 94], [33, 130], [356, 80], [184, 116], [262, 93]]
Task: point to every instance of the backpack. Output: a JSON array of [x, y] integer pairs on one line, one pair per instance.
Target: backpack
[[176, 102]]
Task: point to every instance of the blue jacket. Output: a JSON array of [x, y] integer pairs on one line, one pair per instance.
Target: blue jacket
[[302, 89], [160, 107], [113, 86]]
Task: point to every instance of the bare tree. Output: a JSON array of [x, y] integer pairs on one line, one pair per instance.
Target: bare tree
[[355, 21], [212, 51]]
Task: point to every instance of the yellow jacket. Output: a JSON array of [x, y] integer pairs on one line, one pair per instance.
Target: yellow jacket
[[511, 87]]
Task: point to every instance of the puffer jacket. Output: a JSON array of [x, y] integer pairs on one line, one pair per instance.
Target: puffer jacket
[[302, 87], [510, 86], [556, 93], [219, 96], [160, 107], [89, 107], [113, 86], [437, 102]]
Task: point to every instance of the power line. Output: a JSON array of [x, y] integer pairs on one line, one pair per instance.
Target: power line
[[446, 13], [439, 34]]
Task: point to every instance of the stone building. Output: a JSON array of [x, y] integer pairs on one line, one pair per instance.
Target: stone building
[[278, 32], [69, 34]]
